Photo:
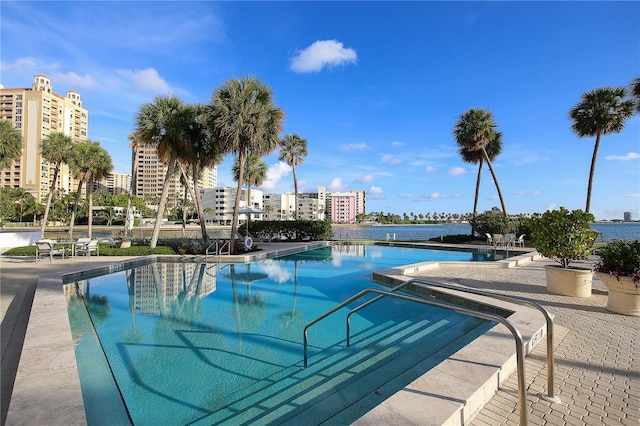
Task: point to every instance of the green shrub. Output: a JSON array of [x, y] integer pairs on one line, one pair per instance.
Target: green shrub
[[494, 222], [562, 235], [620, 258], [295, 230]]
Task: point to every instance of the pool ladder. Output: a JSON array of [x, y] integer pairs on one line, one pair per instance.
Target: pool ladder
[[219, 247], [522, 392]]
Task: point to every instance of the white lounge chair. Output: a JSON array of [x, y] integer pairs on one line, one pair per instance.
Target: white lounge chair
[[520, 241], [88, 248], [45, 247], [489, 239]]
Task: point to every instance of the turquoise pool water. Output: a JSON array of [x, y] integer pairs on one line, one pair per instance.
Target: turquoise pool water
[[194, 343]]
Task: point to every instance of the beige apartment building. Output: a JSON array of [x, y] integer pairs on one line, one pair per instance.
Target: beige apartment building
[[151, 172], [36, 112]]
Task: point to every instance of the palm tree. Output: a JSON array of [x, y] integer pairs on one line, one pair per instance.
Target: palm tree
[[164, 123], [474, 130], [292, 151], [255, 172], [10, 144], [245, 120], [600, 112], [635, 92], [88, 162], [493, 149], [135, 146], [202, 150], [55, 149]]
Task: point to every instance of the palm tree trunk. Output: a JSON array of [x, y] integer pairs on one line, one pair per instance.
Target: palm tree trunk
[[74, 212], [198, 202], [592, 171], [234, 222], [495, 179], [163, 200], [134, 182], [475, 200], [295, 190], [90, 211], [43, 225]]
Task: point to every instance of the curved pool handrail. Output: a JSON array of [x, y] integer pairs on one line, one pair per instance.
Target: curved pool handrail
[[522, 396]]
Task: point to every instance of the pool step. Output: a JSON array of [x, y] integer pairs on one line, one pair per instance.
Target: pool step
[[334, 380]]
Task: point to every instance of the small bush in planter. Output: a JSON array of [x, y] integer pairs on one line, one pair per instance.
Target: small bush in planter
[[620, 258], [563, 235]]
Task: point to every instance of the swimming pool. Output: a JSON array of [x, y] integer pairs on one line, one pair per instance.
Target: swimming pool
[[195, 343]]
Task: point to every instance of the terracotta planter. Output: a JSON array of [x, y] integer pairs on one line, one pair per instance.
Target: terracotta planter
[[570, 281], [624, 297]]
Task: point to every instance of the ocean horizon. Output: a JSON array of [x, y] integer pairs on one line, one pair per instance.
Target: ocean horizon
[[608, 231]]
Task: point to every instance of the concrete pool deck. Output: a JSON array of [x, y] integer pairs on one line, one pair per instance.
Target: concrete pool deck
[[597, 378]]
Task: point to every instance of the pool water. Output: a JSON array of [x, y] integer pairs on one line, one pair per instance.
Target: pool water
[[195, 343]]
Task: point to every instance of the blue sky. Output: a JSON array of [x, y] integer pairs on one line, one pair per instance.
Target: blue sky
[[374, 87]]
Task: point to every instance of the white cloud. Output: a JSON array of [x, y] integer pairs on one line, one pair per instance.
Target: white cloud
[[365, 179], [391, 159], [336, 185], [636, 195], [456, 171], [375, 190], [20, 64], [628, 156], [147, 79], [73, 80], [405, 195], [397, 143], [274, 174], [321, 54], [430, 169], [353, 147], [551, 206]]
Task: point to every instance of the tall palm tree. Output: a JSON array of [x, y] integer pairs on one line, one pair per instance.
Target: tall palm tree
[[10, 144], [255, 173], [164, 123], [493, 149], [601, 111], [55, 149], [135, 147], [474, 130], [88, 162], [244, 119], [292, 151], [635, 92], [201, 150]]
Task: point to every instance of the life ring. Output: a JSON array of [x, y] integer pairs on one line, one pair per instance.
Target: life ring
[[248, 242]]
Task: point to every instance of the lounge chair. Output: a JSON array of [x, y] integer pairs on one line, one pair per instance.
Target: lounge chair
[[489, 240], [45, 247], [88, 248], [520, 241]]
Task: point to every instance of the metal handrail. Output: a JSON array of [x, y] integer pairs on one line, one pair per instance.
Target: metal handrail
[[550, 396], [522, 396], [520, 301], [218, 249]]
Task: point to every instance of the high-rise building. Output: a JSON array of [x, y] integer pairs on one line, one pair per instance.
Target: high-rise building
[[218, 204], [344, 207], [627, 216], [36, 112], [114, 183], [151, 172]]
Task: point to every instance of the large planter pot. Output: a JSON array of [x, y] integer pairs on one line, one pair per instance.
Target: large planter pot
[[574, 282], [624, 296]]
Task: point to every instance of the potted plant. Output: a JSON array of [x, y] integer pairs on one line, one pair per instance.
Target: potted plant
[[124, 239], [619, 270], [565, 236]]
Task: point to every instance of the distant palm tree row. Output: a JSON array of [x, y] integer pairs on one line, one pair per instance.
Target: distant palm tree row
[[601, 111]]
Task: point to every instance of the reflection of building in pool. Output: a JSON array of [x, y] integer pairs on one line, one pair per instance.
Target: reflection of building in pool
[[350, 250], [159, 287]]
